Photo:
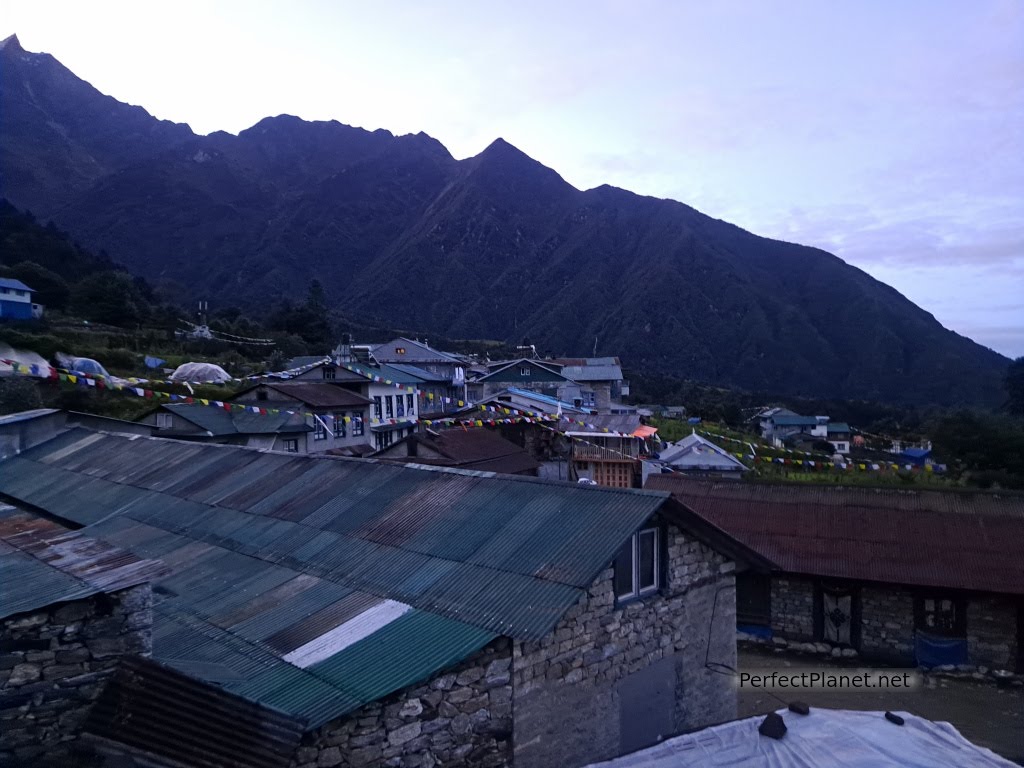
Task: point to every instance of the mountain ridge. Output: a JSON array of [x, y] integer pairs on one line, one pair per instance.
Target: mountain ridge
[[496, 246]]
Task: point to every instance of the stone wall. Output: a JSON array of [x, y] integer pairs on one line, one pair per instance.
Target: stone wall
[[613, 678], [793, 608], [992, 632], [53, 664], [887, 624], [460, 718]]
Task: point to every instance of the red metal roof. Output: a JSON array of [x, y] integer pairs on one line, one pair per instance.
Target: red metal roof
[[959, 540]]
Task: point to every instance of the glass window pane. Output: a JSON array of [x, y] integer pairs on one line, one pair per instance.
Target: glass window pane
[[648, 555], [624, 571]]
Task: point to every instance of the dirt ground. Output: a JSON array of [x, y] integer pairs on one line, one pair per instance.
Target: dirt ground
[[986, 715]]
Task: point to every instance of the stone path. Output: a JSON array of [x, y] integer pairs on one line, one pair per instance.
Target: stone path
[[988, 716]]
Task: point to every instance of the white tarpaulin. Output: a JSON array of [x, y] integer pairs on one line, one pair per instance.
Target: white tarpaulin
[[825, 737], [200, 373]]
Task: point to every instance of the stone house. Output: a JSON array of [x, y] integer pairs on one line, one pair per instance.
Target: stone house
[[373, 614], [71, 609], [899, 575]]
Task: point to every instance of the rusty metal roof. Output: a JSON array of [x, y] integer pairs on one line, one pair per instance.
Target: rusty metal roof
[[478, 449], [42, 563], [958, 540], [314, 585], [318, 394]]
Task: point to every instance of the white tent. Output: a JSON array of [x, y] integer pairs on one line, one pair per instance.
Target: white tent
[[831, 737], [201, 373]]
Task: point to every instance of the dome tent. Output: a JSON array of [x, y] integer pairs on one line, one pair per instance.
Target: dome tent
[[202, 373]]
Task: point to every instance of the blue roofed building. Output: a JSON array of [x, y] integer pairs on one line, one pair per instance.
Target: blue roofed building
[[368, 613], [16, 301]]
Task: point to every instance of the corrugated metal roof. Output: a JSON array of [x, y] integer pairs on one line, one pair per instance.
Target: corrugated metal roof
[[221, 422], [42, 563], [959, 540], [592, 372], [479, 449], [17, 285], [394, 374], [696, 452], [793, 420], [319, 394], [419, 373], [269, 552]]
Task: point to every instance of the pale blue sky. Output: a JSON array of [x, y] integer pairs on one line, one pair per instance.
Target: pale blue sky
[[889, 133]]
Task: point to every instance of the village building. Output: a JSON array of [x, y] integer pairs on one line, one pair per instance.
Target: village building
[[525, 373], [609, 449], [72, 609], [903, 576], [16, 301], [321, 611], [780, 425], [337, 416], [445, 372], [696, 456], [602, 385], [280, 431]]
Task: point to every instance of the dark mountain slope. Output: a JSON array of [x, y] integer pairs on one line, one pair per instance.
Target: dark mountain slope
[[496, 246]]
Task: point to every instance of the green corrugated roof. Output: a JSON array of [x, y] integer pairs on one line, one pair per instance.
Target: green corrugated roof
[[220, 422], [269, 551], [389, 372]]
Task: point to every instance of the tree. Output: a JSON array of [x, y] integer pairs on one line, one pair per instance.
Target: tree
[[50, 289], [109, 297], [1014, 383]]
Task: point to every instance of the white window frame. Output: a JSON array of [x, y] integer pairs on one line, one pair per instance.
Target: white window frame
[[164, 421], [339, 424], [633, 544], [524, 370], [357, 425], [329, 372], [319, 430], [291, 445]]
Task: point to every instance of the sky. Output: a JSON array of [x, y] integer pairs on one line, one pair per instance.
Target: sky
[[888, 133]]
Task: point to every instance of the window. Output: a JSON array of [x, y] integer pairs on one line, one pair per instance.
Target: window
[[357, 425], [399, 350], [339, 425], [292, 446], [389, 407], [376, 407], [638, 565], [163, 421], [261, 394], [524, 370], [319, 431], [410, 406], [399, 406], [329, 373], [384, 439], [940, 615]]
